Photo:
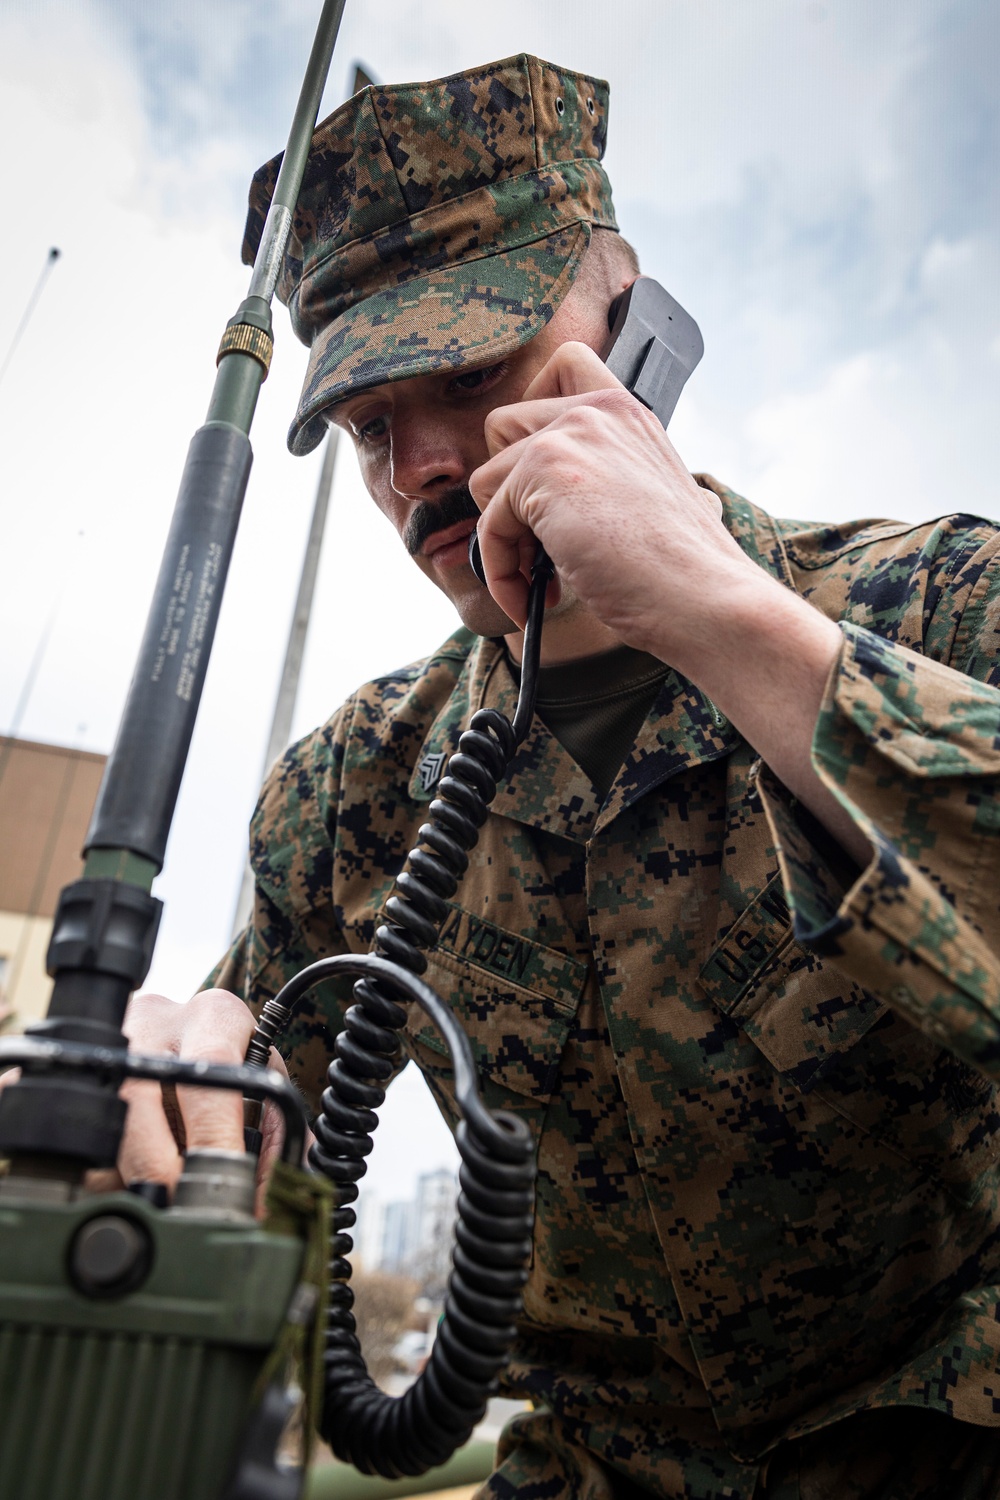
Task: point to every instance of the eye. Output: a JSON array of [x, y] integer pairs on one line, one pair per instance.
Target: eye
[[472, 382], [371, 431]]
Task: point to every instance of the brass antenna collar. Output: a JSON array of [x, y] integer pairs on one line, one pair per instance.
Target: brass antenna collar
[[244, 338]]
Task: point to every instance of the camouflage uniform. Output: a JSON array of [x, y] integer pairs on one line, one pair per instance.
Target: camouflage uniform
[[758, 1079]]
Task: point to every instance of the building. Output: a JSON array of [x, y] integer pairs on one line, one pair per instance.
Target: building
[[434, 1229], [368, 1230], [412, 1237], [47, 794], [397, 1239]]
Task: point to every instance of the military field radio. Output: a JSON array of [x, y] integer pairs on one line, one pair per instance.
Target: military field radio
[[150, 1350]]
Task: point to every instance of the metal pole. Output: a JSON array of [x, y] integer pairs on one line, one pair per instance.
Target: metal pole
[[288, 686], [281, 724]]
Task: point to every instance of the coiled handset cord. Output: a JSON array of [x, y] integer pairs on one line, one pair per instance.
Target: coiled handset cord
[[408, 1434]]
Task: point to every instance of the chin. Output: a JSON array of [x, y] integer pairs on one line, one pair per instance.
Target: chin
[[480, 613]]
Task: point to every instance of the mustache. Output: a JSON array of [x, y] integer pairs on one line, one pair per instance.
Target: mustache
[[457, 505]]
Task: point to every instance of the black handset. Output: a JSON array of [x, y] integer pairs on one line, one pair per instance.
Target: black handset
[[652, 349]]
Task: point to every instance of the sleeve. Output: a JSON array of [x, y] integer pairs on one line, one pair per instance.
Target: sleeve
[[294, 921], [910, 747]]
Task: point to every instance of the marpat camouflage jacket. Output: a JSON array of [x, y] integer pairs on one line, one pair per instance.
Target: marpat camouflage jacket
[[767, 1191]]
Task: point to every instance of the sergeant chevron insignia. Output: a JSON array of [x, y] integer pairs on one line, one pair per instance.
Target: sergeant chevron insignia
[[430, 769]]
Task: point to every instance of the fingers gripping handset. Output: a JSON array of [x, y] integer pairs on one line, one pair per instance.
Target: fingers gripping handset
[[653, 346]]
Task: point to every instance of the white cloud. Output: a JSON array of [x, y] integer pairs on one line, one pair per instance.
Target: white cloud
[[945, 261], [837, 452]]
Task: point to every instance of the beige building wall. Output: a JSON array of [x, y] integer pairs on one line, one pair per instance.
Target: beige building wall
[[24, 984], [47, 794]]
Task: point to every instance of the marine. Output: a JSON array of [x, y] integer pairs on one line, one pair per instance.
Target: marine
[[729, 939]]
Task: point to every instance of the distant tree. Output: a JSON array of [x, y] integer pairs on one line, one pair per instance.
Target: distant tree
[[383, 1309]]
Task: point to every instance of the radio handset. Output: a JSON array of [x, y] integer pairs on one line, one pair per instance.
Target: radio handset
[[652, 348]]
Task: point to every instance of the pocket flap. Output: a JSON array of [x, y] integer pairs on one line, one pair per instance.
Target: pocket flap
[[799, 1010]]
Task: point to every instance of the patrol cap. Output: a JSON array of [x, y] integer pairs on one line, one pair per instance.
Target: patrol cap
[[439, 224]]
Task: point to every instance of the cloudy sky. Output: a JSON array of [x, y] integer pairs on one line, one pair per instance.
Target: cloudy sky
[[815, 182]]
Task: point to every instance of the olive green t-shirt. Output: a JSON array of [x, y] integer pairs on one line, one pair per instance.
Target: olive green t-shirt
[[594, 706]]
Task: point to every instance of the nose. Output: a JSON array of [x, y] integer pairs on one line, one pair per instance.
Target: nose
[[427, 453]]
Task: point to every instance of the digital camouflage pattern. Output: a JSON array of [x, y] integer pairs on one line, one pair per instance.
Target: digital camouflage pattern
[[894, 1454], [438, 223], [760, 1080]]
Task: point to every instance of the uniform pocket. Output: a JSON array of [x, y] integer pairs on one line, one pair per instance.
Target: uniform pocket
[[800, 1012], [837, 1041], [514, 998]]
